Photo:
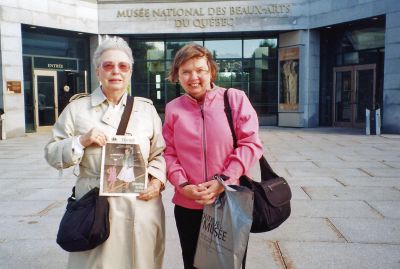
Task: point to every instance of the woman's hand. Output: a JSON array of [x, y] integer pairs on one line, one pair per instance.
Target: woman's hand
[[153, 190], [212, 189], [193, 192], [94, 136]]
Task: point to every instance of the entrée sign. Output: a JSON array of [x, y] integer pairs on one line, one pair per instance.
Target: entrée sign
[[206, 17]]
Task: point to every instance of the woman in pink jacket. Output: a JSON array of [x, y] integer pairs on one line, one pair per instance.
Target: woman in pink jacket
[[199, 143]]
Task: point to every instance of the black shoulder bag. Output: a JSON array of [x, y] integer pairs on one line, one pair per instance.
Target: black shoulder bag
[[86, 223], [271, 196]]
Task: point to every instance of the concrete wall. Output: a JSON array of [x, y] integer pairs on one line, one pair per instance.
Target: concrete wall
[[217, 16], [72, 15], [322, 12]]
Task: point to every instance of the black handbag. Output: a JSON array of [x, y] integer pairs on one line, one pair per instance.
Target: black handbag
[[271, 196], [86, 224]]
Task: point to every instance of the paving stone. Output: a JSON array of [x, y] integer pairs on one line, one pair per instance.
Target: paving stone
[[5, 183], [393, 164], [349, 157], [173, 252], [32, 253], [310, 255], [377, 231], [20, 228], [351, 164], [298, 193], [318, 181], [294, 164], [301, 229], [49, 194], [172, 255], [389, 209], [353, 193], [344, 191], [27, 208], [383, 172], [297, 172], [329, 208], [370, 181], [12, 194], [261, 255], [41, 183], [290, 158]]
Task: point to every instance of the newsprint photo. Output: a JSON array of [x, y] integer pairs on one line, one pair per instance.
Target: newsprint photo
[[123, 170]]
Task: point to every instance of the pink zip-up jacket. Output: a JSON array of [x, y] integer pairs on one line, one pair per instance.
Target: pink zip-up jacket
[[199, 141]]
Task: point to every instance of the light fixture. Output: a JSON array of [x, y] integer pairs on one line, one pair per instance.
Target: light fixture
[[80, 33], [33, 27], [375, 18]]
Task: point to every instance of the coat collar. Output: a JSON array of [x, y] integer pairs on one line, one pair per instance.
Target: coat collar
[[99, 98], [109, 116]]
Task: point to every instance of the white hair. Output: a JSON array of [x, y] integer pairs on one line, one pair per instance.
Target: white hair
[[111, 43]]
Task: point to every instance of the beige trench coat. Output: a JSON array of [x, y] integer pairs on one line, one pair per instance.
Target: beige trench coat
[[137, 236]]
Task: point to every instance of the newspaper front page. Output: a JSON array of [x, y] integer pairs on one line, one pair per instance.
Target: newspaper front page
[[123, 169]]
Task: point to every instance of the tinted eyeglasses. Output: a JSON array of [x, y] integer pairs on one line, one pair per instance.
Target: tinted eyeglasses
[[108, 66]]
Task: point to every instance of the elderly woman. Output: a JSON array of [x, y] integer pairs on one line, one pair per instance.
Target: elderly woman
[[137, 234], [199, 142]]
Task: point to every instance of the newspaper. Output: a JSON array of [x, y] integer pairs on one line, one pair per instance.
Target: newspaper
[[123, 169]]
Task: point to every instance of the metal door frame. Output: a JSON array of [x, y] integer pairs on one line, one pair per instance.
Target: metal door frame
[[354, 88], [47, 73]]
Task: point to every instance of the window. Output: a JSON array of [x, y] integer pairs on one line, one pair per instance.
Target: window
[[249, 64], [224, 48]]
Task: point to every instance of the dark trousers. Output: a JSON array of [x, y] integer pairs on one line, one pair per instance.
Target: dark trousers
[[188, 223]]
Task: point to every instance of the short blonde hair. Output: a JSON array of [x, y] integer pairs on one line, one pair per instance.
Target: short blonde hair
[[109, 43], [188, 52]]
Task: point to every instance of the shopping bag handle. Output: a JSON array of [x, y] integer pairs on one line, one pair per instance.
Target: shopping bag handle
[[221, 181]]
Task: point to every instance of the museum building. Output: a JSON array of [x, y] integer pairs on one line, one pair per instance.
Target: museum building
[[302, 63]]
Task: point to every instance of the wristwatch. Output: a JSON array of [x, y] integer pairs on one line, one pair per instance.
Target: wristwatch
[[224, 178], [184, 184], [221, 176]]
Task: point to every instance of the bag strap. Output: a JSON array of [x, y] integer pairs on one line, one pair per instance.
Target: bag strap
[[228, 112], [266, 170], [125, 116]]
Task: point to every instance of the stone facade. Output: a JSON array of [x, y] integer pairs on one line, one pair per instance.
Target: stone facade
[[74, 15], [299, 17]]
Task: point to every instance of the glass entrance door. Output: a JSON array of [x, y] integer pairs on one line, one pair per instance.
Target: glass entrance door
[[365, 78], [45, 98], [354, 91], [69, 83]]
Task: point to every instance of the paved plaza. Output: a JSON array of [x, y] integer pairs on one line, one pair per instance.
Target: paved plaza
[[345, 206]]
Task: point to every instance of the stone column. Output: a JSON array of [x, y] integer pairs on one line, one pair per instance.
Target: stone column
[[391, 87], [94, 42], [12, 70], [311, 78], [307, 114]]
